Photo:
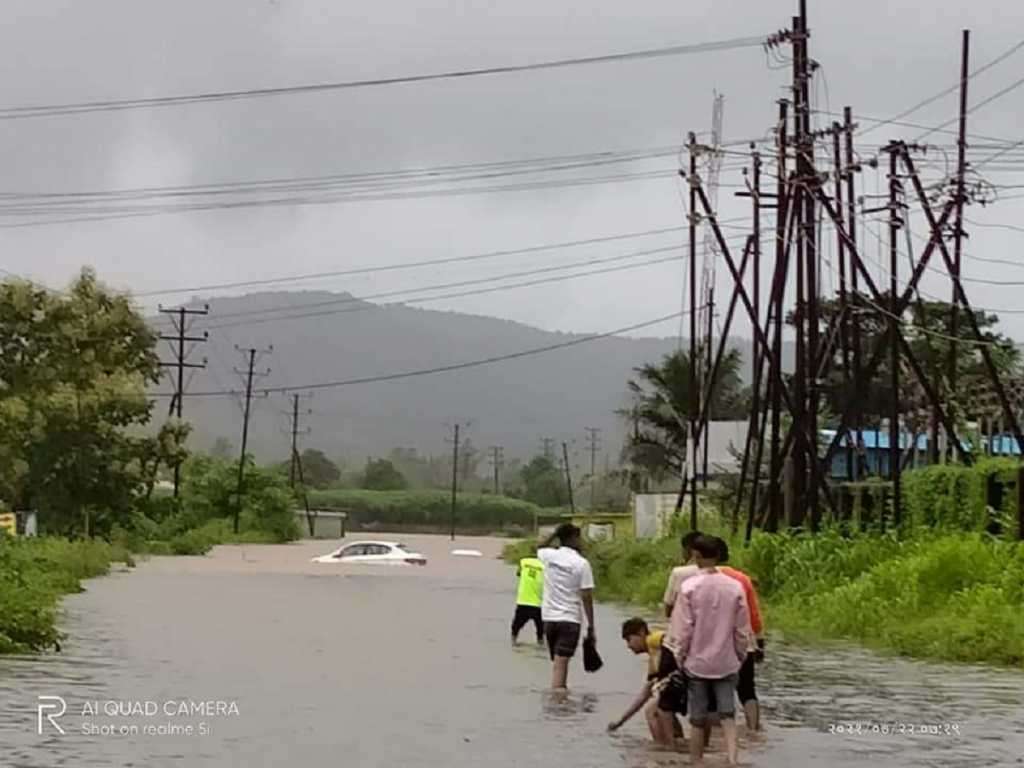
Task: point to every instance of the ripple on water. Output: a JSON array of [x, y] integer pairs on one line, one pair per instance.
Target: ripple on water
[[373, 670]]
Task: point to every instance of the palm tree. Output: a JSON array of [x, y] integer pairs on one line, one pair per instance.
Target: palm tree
[[662, 409]]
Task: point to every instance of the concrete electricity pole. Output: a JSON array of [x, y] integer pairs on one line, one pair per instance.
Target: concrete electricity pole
[[593, 442], [568, 476], [296, 462], [455, 477], [252, 355], [497, 463], [179, 319]]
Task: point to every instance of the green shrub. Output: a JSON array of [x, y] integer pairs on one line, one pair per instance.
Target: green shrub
[[954, 497], [34, 574], [924, 592]]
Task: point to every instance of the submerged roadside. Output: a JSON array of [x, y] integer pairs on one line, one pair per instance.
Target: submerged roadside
[[35, 573]]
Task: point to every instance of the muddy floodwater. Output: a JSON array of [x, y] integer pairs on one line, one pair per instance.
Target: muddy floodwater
[[253, 656]]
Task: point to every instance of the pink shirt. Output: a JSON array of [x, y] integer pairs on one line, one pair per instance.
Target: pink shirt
[[710, 626]]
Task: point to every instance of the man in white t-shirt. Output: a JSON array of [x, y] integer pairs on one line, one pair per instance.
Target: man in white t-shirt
[[568, 594]]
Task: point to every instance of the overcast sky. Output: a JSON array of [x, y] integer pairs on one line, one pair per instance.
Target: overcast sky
[[881, 56]]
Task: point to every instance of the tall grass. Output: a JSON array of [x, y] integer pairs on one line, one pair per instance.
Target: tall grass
[[935, 594]]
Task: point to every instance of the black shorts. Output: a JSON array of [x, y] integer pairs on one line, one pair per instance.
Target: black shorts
[[671, 684], [746, 690], [525, 614], [672, 696], [563, 638]]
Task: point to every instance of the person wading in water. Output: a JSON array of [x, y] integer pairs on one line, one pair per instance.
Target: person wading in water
[[529, 598], [568, 595], [710, 634]]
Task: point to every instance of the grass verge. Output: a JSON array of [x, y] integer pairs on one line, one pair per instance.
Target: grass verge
[[34, 574], [941, 596]]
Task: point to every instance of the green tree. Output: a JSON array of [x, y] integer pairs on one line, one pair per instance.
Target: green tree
[[926, 328], [662, 405], [543, 483], [222, 448], [318, 470], [74, 368], [381, 475], [209, 490]]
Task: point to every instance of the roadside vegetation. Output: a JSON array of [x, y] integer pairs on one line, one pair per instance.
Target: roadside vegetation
[[947, 586], [428, 510], [34, 575], [79, 447]]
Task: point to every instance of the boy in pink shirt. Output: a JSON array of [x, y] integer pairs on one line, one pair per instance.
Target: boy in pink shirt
[[710, 633]]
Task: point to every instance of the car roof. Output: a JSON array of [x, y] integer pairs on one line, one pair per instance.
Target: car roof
[[380, 543]]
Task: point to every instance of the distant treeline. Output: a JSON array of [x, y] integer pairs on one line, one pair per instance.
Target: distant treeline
[[429, 510]]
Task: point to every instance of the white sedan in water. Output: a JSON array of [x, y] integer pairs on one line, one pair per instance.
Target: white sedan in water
[[373, 553]]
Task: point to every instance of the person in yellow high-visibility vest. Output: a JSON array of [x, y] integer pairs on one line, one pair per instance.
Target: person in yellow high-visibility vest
[[529, 598]]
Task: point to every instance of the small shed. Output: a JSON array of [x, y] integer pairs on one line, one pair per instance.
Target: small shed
[[600, 526], [322, 523]]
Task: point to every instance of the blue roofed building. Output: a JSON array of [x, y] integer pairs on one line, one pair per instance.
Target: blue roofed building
[[875, 457]]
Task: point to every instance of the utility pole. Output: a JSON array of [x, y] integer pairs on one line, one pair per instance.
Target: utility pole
[[895, 222], [593, 442], [252, 355], [958, 224], [296, 459], [455, 477], [851, 226], [704, 427], [775, 305], [694, 397], [497, 462], [179, 319], [754, 431], [568, 477], [548, 448], [305, 500]]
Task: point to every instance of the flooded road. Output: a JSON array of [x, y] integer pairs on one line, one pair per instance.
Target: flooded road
[[330, 666]]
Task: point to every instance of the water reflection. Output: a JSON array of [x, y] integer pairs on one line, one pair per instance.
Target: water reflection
[[414, 668], [566, 705]]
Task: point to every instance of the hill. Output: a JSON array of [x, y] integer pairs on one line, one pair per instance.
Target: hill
[[512, 403]]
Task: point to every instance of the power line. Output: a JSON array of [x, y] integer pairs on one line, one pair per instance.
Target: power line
[[48, 110], [373, 179], [917, 126], [983, 103], [361, 304], [453, 366], [995, 226], [951, 89], [444, 286], [407, 265], [456, 295], [351, 198]]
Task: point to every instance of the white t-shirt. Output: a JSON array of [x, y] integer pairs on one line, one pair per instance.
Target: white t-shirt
[[675, 583], [675, 580], [566, 572]]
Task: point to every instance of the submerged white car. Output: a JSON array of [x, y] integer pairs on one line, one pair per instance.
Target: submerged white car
[[373, 553]]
